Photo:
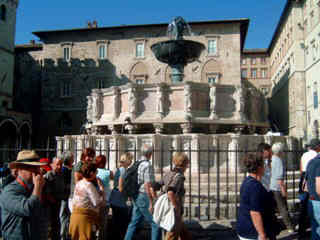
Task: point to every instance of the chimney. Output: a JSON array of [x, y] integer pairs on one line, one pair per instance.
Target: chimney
[[32, 42], [89, 24], [94, 24]]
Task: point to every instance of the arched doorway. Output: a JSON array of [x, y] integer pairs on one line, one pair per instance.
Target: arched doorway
[[8, 140]]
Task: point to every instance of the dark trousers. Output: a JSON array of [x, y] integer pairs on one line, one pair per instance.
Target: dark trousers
[[120, 221], [283, 209], [55, 221], [304, 221]]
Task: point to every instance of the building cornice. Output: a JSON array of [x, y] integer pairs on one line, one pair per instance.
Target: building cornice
[[243, 22], [282, 19]]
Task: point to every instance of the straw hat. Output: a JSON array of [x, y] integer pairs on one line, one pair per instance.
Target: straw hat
[[27, 157]]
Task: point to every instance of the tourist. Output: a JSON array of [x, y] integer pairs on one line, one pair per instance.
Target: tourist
[[277, 185], [87, 155], [87, 201], [313, 149], [143, 203], [265, 152], [104, 175], [55, 181], [313, 186], [21, 200], [64, 215], [45, 168], [255, 219], [120, 209], [174, 186]]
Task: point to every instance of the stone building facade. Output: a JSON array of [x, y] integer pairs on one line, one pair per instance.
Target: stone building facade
[[75, 61], [255, 69], [15, 126], [311, 47], [293, 67]]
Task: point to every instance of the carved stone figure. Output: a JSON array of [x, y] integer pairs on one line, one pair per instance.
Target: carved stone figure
[[213, 101], [95, 107], [176, 28], [89, 109], [132, 101], [240, 103], [160, 99]]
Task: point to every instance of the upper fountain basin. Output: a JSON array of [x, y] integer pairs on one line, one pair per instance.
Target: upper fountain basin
[[175, 52]]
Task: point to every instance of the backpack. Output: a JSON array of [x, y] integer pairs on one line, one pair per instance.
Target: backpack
[[130, 181]]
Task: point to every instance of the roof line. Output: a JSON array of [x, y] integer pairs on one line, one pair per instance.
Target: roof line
[[282, 18], [139, 25]]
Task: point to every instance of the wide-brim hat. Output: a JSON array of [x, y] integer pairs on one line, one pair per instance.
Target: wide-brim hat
[[27, 157]]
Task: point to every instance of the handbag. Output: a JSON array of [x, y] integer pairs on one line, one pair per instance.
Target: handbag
[[164, 214]]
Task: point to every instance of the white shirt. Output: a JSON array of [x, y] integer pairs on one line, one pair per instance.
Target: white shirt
[[306, 157]]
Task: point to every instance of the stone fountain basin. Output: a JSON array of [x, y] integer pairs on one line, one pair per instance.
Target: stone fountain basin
[[175, 52]]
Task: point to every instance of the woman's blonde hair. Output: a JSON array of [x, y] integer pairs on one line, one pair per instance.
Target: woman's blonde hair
[[126, 158], [180, 159]]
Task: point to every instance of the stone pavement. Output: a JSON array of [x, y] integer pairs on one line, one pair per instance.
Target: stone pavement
[[225, 230]]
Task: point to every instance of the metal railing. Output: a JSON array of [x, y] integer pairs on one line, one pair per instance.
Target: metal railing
[[212, 182]]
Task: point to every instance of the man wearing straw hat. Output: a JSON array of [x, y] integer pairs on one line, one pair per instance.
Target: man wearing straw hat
[[21, 199]]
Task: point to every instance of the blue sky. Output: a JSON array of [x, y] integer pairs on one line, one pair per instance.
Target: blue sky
[[37, 15]]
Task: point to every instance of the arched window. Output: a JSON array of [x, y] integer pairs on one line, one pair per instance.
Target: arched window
[[3, 13]]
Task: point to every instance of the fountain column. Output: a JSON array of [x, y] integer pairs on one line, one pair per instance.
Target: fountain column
[[233, 148], [79, 146], [177, 73], [59, 145]]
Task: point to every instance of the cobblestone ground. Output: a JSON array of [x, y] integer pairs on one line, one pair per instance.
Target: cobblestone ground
[[220, 230], [231, 235]]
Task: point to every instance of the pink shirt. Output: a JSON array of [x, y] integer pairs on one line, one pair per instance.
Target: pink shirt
[[87, 196]]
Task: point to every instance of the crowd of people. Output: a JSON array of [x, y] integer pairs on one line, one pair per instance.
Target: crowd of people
[[263, 193], [44, 199], [58, 199]]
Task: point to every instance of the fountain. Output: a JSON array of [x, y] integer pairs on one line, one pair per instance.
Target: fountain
[[177, 115], [177, 52]]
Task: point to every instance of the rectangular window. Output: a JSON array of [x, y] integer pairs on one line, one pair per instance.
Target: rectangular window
[[66, 89], [244, 73], [253, 60], [254, 73], [102, 51], [263, 60], [263, 72], [309, 117], [243, 61], [66, 54], [212, 79], [212, 47], [140, 50], [101, 83], [139, 81]]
